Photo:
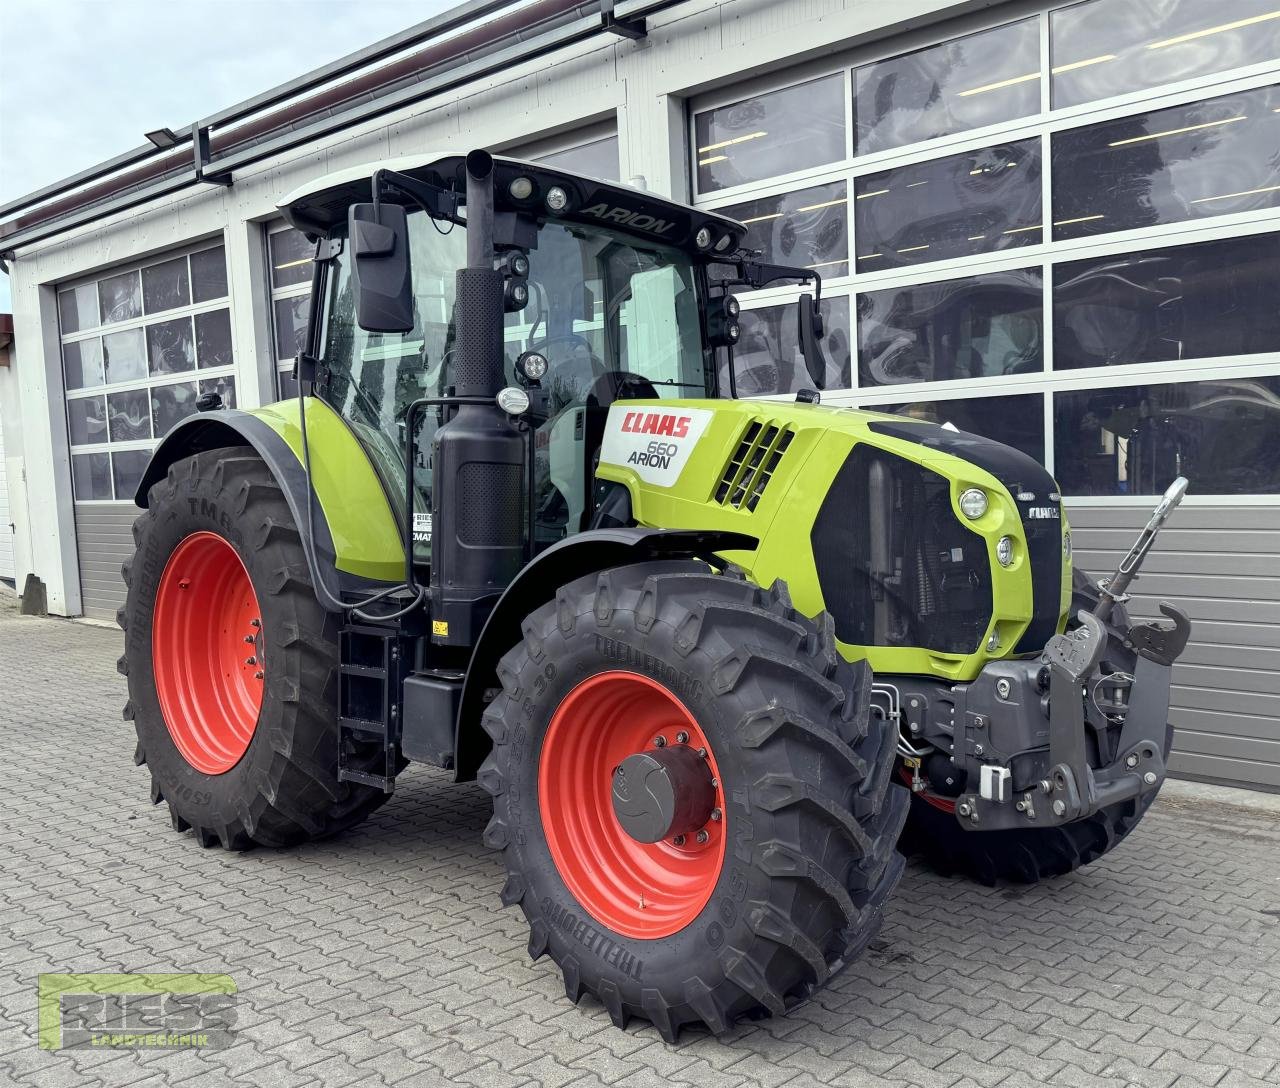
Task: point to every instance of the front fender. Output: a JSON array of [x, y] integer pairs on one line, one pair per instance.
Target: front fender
[[583, 553], [355, 531]]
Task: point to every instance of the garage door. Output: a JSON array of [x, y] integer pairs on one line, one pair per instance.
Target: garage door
[[139, 346]]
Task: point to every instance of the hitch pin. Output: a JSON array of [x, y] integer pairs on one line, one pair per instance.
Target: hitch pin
[[1113, 589]]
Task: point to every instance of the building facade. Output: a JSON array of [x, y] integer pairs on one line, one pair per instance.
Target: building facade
[[1053, 224]]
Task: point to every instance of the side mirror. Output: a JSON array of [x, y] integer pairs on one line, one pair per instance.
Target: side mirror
[[379, 238], [811, 330]]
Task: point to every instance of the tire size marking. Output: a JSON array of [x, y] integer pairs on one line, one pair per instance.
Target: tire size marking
[[592, 939], [684, 685]]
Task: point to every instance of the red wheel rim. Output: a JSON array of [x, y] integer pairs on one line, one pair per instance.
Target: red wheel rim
[[206, 649], [644, 890]]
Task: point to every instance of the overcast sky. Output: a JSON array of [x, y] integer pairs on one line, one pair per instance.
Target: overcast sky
[[82, 80]]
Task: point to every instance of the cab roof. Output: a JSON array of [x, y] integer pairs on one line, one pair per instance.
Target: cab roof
[[319, 205]]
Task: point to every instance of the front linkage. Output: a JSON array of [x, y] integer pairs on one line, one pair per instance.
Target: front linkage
[[1098, 695]]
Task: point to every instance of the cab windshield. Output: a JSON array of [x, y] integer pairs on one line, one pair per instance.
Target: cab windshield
[[615, 317]]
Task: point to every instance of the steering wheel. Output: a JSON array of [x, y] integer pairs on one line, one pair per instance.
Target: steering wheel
[[614, 385]]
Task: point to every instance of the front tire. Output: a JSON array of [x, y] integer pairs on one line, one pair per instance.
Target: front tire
[[232, 662], [791, 878]]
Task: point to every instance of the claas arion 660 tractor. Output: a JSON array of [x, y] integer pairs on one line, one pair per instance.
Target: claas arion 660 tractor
[[515, 525]]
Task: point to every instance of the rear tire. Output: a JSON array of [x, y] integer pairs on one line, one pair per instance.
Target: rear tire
[[1024, 856], [810, 816], [279, 785]]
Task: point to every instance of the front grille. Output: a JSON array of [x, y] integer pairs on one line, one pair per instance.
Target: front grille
[[752, 465], [895, 566]]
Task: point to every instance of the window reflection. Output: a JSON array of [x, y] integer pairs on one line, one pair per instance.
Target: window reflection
[[770, 134], [767, 358], [1134, 441], [1190, 162], [975, 327], [1181, 302], [127, 467], [1111, 47], [1017, 421], [596, 159], [809, 228], [963, 204], [980, 79]]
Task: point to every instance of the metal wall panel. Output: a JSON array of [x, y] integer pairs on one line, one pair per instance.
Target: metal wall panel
[[1220, 564], [104, 540]]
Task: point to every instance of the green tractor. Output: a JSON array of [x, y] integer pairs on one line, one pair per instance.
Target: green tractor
[[517, 526]]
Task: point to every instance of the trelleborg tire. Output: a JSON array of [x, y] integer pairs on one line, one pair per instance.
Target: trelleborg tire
[[798, 858], [1023, 856], [232, 662]]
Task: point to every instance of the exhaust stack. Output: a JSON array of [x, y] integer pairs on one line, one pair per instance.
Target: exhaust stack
[[478, 455]]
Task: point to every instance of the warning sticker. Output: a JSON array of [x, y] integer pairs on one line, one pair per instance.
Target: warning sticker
[[421, 528], [655, 443]]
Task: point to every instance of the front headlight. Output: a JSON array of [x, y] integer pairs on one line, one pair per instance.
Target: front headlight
[[973, 503], [1004, 550]]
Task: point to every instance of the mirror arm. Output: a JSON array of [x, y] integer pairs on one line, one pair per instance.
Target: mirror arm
[[436, 202], [757, 274]]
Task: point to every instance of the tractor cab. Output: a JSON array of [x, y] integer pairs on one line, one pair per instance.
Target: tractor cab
[[605, 295]]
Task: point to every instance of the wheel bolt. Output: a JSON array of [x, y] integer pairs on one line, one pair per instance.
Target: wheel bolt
[[255, 623], [250, 660], [682, 737], [702, 752], [703, 836], [716, 815], [258, 675], [678, 840], [715, 783], [249, 639], [659, 741], [184, 584]]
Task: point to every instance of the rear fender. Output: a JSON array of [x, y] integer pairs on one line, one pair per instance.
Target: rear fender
[[583, 553], [354, 530]]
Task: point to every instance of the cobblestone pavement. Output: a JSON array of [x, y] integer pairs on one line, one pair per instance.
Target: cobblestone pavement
[[383, 958]]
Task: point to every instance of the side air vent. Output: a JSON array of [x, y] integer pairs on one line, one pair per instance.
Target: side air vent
[[752, 465]]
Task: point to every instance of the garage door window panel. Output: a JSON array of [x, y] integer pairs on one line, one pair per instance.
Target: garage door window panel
[[166, 286], [809, 228], [78, 308], [1201, 301], [82, 363], [209, 275], [1216, 157], [213, 339], [120, 298], [957, 206], [1016, 420], [767, 357], [127, 467], [171, 346], [1113, 47], [170, 404], [771, 134], [87, 420], [1134, 440], [966, 83], [972, 327], [124, 356], [91, 476]]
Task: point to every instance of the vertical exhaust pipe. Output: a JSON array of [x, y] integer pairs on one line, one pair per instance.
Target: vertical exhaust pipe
[[478, 489]]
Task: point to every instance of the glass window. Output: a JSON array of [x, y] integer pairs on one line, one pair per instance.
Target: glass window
[[808, 228], [209, 274], [127, 467], [170, 347], [170, 403], [82, 363], [225, 387], [1017, 421], [129, 415], [213, 338], [291, 325], [975, 327], [1136, 440], [91, 476], [165, 286], [1182, 302], [771, 134], [980, 79], [597, 159], [124, 356], [956, 206], [1111, 47], [291, 261], [78, 308], [120, 298], [767, 357], [87, 420], [1190, 162]]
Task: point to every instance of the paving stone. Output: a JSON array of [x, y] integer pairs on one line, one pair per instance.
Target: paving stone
[[383, 959]]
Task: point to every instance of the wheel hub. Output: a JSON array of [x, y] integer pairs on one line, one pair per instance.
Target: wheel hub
[[663, 793]]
